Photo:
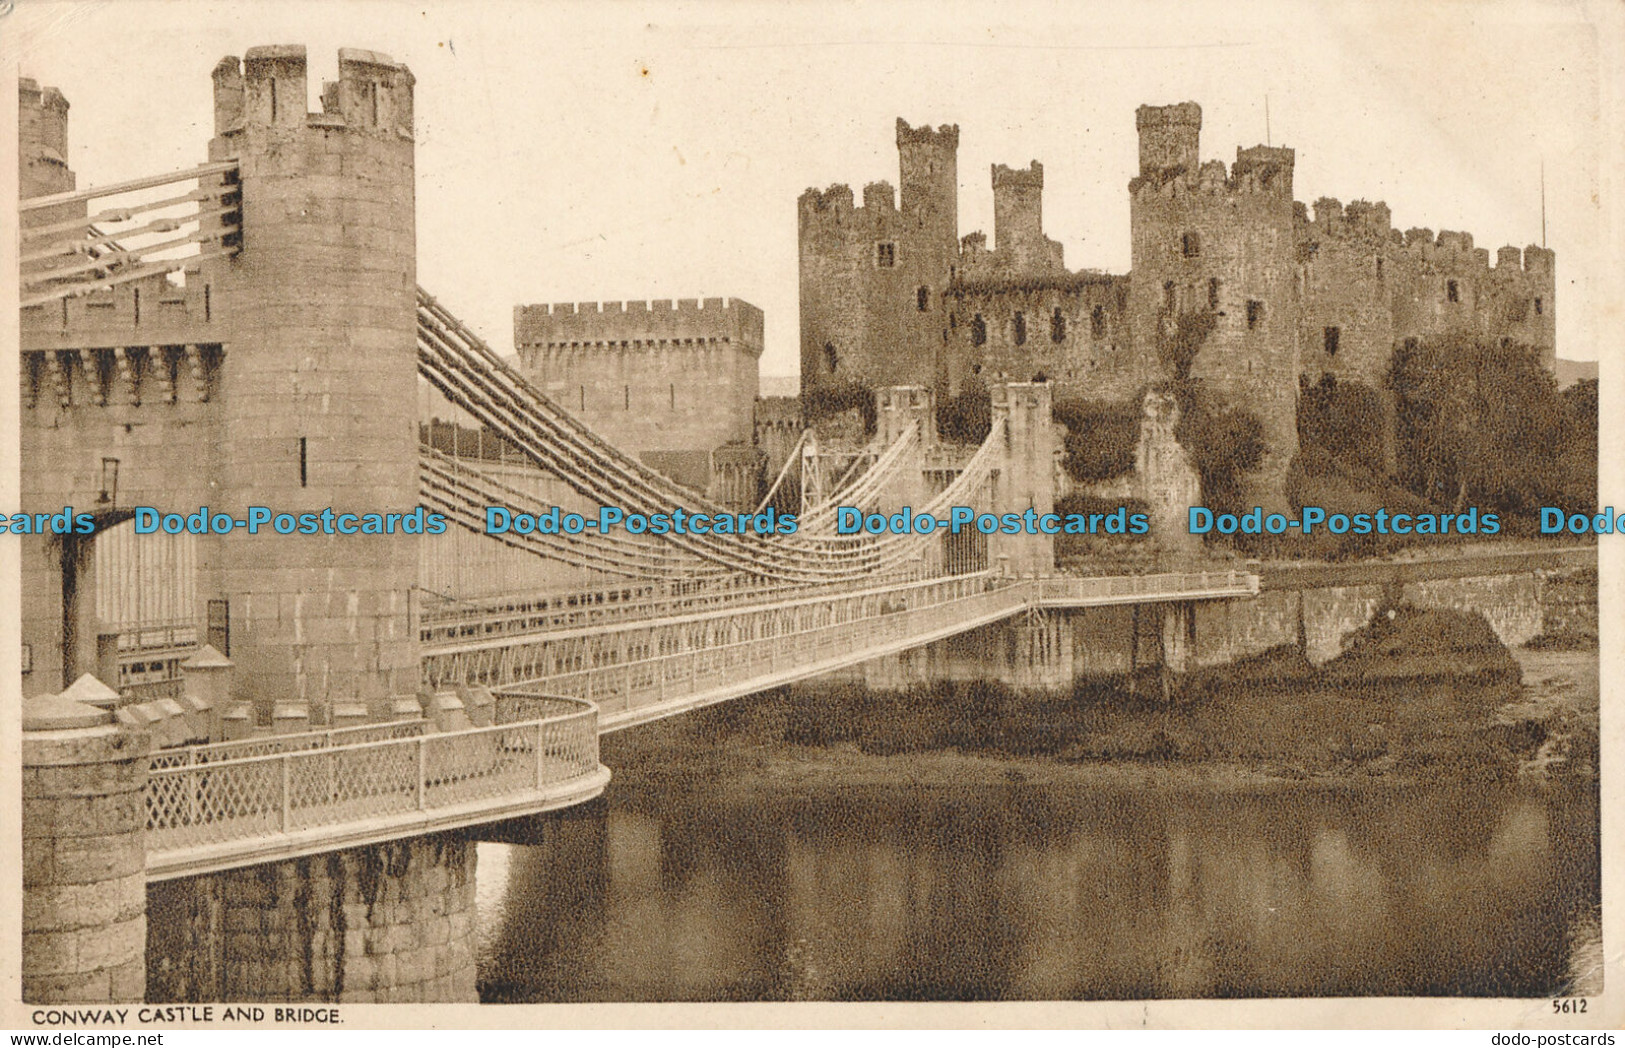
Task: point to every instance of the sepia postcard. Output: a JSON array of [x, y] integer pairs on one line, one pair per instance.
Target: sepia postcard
[[913, 515]]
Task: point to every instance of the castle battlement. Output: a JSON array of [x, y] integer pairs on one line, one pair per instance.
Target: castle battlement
[[685, 320], [1030, 177], [880, 196], [1454, 250], [267, 87], [1360, 218], [946, 136], [1257, 170]]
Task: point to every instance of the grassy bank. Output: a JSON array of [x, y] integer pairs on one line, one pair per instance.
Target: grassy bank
[[1422, 696]]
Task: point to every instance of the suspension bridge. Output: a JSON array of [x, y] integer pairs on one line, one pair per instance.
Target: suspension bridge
[[249, 332]]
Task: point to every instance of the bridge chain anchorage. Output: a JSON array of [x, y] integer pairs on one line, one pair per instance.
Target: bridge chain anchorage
[[86, 253]]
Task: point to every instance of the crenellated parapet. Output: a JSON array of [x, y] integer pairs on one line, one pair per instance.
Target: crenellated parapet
[[1264, 171], [685, 321], [943, 137], [833, 215], [373, 93]]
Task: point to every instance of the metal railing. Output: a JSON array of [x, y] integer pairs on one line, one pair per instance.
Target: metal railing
[[339, 788], [448, 625], [267, 745], [1063, 589], [782, 644]]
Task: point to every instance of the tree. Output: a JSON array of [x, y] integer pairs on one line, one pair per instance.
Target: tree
[[1345, 420], [1479, 423], [1224, 442], [966, 418], [1101, 437]]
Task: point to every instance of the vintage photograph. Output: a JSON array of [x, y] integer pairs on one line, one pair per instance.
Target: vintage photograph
[[564, 504]]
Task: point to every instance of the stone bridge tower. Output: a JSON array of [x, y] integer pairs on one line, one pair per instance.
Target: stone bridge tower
[[319, 405], [284, 378]]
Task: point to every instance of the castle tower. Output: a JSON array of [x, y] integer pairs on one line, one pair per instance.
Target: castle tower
[[872, 277], [1170, 137], [42, 141], [1220, 247], [1018, 206], [1018, 222], [42, 152], [929, 162], [319, 406]]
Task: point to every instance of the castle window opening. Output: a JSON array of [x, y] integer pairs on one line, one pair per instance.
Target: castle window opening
[[672, 394], [1255, 313], [626, 395], [1379, 267], [978, 331], [273, 100], [1021, 329], [583, 392], [1170, 296], [1191, 244], [953, 321], [1540, 307], [1452, 291], [1213, 292], [1057, 326], [1097, 322], [1332, 336], [922, 299], [832, 359], [885, 254]]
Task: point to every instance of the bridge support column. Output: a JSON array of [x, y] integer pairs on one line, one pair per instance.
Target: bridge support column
[[1041, 652], [1026, 477], [385, 923], [84, 855], [1178, 636]]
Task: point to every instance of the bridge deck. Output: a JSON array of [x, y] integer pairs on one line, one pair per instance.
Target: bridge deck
[[209, 809], [637, 671]]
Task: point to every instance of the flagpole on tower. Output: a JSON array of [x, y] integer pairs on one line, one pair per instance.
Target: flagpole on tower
[[1542, 201]]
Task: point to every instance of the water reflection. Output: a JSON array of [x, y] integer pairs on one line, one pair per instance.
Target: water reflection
[[1027, 892]]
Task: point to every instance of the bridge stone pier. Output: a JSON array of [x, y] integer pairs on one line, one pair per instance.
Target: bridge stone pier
[[84, 856], [387, 923]]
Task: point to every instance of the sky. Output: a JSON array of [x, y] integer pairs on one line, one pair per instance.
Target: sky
[[607, 152]]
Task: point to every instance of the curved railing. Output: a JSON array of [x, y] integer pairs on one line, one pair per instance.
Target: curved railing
[[219, 813]]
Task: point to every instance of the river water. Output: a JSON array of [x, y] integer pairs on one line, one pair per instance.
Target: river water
[[1026, 892]]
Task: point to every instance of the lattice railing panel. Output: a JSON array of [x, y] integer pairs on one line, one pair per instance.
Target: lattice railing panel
[[218, 801]]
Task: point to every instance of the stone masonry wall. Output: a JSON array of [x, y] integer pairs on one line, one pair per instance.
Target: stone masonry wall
[[386, 923]]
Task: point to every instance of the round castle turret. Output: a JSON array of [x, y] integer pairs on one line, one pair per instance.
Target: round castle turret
[[320, 391]]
